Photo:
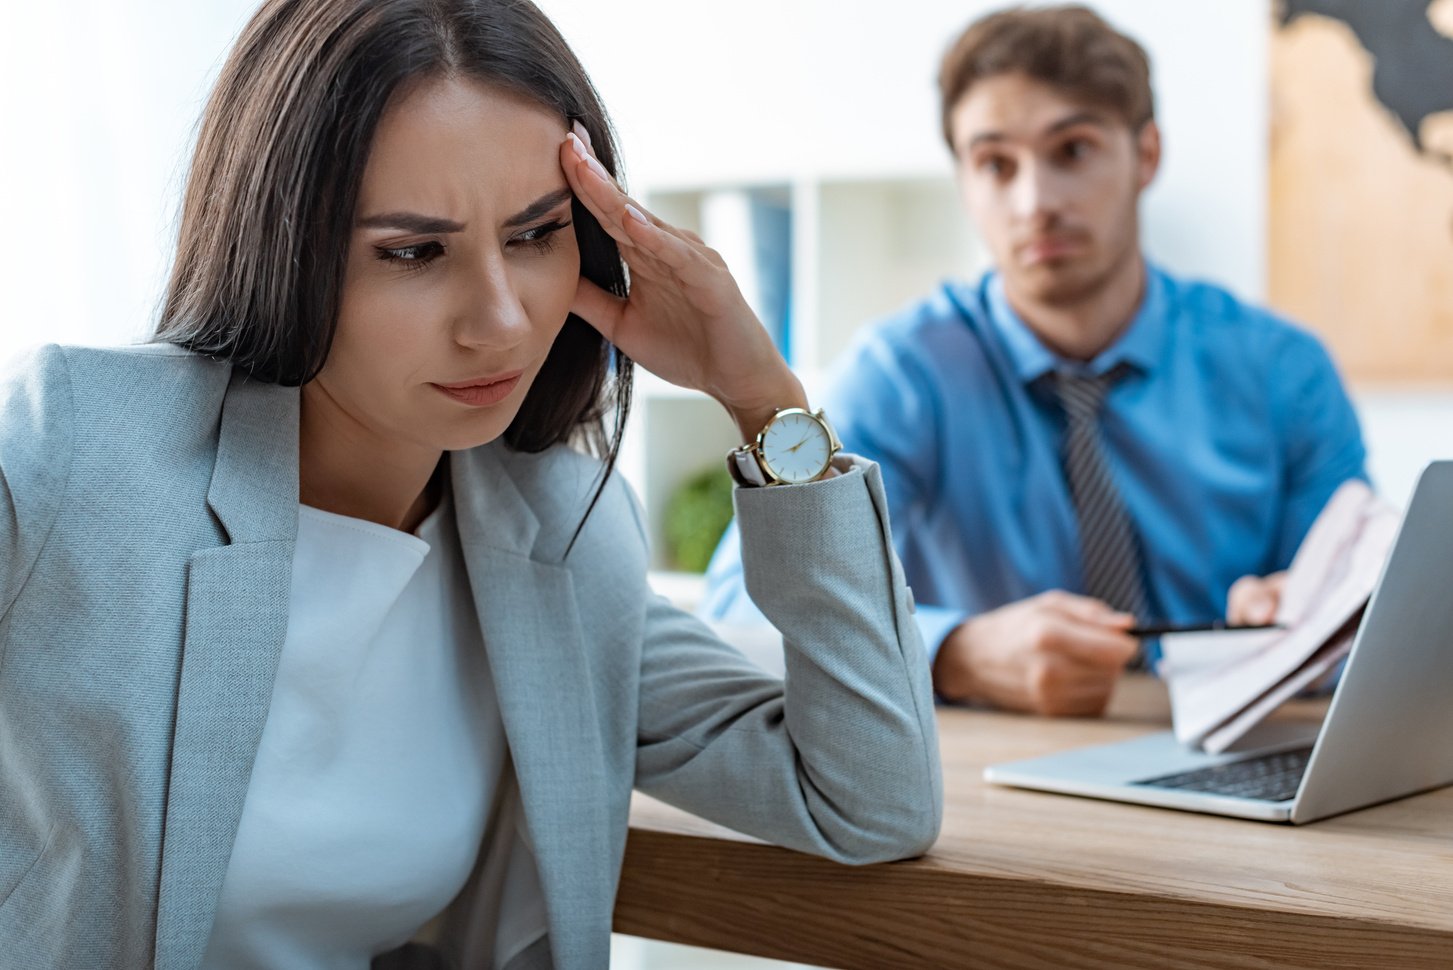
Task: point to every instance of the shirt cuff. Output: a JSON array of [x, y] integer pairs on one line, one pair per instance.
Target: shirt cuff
[[935, 623]]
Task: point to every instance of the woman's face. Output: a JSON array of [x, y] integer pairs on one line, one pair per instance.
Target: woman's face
[[461, 269]]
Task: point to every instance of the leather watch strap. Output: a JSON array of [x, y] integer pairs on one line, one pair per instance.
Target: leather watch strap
[[745, 469]]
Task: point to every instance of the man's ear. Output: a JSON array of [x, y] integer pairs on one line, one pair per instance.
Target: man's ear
[[1147, 152]]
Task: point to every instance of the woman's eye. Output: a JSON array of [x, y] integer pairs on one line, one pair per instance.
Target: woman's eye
[[411, 257], [541, 238]]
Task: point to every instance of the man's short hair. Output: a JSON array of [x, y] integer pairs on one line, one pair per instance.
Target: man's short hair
[[1070, 48]]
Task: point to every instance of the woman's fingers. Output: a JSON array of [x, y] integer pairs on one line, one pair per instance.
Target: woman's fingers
[[684, 306], [595, 188], [610, 195], [623, 218], [597, 307], [675, 252]]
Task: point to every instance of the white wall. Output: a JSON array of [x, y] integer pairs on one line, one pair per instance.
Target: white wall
[[97, 105], [1405, 428]]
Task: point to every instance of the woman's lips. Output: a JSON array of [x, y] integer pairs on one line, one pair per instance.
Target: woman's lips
[[482, 392]]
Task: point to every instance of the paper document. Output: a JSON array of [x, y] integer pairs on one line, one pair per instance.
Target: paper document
[[1225, 682]]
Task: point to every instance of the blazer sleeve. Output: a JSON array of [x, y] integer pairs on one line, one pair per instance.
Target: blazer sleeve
[[36, 442], [885, 403], [841, 758]]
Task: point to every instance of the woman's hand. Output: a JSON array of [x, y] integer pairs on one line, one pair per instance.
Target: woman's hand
[[685, 319]]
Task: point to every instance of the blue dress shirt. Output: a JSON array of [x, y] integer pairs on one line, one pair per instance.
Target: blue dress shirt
[[1226, 437]]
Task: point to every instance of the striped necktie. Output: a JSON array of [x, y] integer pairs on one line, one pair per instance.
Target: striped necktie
[[1109, 553]]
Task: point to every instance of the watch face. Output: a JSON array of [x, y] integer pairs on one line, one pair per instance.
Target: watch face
[[796, 447]]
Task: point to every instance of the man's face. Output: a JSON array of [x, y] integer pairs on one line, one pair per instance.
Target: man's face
[[1052, 185]]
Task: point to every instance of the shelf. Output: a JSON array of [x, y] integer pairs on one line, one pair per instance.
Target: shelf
[[879, 245], [670, 438], [752, 227], [845, 252], [859, 250]]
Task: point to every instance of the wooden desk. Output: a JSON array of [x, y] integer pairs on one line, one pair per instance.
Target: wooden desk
[[1025, 879]]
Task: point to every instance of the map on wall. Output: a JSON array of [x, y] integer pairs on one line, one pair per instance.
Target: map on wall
[[1361, 187]]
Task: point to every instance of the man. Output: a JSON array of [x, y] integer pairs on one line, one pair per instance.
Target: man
[[1078, 442]]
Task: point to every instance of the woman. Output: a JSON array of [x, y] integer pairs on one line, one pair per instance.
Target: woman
[[315, 627]]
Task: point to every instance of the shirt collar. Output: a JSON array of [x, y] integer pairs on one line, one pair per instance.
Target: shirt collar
[[1140, 346]]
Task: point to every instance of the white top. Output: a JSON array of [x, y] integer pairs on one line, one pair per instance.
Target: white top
[[380, 762]]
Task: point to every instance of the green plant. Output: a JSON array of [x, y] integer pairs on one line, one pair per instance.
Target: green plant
[[697, 514]]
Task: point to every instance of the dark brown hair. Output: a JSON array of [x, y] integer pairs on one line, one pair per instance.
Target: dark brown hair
[[269, 203], [1070, 48]]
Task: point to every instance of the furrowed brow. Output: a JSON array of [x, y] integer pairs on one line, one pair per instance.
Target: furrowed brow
[[411, 222], [538, 208]]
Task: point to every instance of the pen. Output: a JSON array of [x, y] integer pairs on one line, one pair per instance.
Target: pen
[[1163, 629]]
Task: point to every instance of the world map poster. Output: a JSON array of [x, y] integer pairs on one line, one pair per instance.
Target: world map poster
[[1361, 183]]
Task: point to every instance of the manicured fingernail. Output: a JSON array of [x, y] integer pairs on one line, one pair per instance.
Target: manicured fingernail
[[597, 168], [578, 145], [582, 134], [635, 214]]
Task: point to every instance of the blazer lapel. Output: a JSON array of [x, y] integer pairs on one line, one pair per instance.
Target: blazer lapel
[[236, 622], [537, 655]]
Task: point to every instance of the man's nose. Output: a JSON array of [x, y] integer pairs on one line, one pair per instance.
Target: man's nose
[[1037, 192]]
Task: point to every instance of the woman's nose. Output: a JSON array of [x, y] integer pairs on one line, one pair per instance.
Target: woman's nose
[[492, 315]]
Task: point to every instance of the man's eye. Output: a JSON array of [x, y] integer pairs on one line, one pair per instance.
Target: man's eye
[[411, 257], [996, 165], [1076, 148]]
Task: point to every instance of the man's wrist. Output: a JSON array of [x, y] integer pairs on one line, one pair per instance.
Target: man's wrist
[[953, 674]]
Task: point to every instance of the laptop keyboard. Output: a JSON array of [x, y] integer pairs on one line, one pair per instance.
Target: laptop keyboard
[[1269, 777]]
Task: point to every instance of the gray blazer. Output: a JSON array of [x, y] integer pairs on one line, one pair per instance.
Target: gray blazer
[[148, 511]]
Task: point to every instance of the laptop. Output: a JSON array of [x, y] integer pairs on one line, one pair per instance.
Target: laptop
[[1388, 731]]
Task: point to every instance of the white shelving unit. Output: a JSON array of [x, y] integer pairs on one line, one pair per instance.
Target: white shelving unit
[[860, 249], [876, 245]]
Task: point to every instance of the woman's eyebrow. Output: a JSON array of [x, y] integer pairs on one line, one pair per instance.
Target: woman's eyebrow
[[538, 208], [410, 222], [429, 225]]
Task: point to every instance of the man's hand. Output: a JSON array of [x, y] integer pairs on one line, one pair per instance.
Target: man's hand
[[1055, 653], [1254, 599]]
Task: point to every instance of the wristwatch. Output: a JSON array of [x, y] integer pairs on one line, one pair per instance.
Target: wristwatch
[[796, 447]]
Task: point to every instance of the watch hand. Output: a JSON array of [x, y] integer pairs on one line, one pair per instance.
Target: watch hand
[[798, 445]]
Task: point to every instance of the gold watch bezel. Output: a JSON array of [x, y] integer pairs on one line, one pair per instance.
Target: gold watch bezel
[[759, 452]]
